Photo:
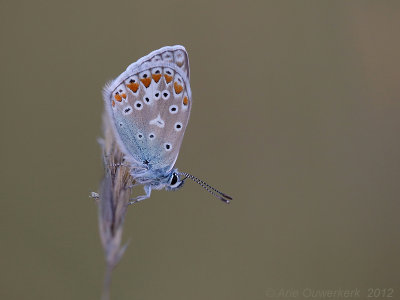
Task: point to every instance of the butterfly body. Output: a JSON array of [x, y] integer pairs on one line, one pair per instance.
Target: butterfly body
[[149, 105]]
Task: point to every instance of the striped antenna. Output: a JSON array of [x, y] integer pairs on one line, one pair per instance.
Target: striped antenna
[[210, 189]]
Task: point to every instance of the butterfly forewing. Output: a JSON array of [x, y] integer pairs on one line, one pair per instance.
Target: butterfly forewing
[[150, 104]]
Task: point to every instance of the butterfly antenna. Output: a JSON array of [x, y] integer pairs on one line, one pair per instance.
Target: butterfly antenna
[[208, 188]]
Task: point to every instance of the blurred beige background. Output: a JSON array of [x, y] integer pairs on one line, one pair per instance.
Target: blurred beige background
[[296, 114]]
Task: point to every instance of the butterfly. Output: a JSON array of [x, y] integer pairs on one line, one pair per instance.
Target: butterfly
[[149, 105]]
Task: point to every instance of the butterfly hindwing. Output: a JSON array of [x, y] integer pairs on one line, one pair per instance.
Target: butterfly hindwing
[[150, 104], [176, 55]]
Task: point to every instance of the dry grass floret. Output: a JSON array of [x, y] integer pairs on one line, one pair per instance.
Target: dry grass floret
[[113, 199]]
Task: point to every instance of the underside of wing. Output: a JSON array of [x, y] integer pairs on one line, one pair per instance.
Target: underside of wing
[[176, 55], [150, 106]]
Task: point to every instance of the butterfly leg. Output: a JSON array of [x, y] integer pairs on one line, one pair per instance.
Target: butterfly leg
[[133, 185], [147, 189]]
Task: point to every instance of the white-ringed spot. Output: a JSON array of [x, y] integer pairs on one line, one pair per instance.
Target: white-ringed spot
[[178, 126], [138, 105], [165, 94], [173, 109], [127, 110], [146, 100], [157, 95], [167, 146]]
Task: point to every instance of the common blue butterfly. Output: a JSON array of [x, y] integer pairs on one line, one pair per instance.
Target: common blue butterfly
[[149, 105]]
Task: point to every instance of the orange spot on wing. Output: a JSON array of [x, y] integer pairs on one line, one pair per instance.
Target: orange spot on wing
[[124, 95], [133, 86], [146, 81], [113, 103], [118, 97], [156, 77], [168, 78], [178, 88], [185, 101]]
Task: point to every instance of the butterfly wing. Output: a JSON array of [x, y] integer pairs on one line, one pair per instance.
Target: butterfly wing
[[150, 105]]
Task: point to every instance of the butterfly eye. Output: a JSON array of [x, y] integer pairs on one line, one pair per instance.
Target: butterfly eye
[[167, 146], [175, 181], [138, 105], [178, 126], [173, 109]]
